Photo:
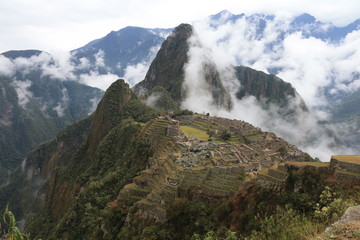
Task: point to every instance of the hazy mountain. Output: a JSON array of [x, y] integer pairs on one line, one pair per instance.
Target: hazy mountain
[[35, 106], [127, 47], [304, 23]]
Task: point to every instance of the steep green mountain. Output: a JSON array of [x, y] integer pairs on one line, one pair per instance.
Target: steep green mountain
[[167, 71], [35, 107], [127, 173], [121, 163], [169, 76]]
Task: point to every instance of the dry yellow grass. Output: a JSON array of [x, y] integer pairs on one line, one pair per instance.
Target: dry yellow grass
[[314, 164], [347, 158]]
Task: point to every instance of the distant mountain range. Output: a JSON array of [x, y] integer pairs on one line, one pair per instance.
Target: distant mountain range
[[133, 169], [135, 45], [34, 107]]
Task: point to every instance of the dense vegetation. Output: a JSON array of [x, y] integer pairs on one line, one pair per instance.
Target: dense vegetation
[[34, 107], [294, 212]]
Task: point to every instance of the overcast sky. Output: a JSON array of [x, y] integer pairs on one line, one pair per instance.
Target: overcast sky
[[57, 25]]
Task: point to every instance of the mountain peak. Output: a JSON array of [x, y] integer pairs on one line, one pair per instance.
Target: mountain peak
[[305, 18], [13, 54]]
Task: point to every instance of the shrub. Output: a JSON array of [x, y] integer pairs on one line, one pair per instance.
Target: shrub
[[13, 232], [224, 135], [285, 224]]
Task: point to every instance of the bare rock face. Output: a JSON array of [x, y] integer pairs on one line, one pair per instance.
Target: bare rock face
[[352, 214]]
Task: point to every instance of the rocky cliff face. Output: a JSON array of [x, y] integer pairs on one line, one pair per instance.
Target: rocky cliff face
[[269, 90], [167, 68]]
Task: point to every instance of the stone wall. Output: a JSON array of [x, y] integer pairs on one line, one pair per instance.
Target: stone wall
[[353, 167]]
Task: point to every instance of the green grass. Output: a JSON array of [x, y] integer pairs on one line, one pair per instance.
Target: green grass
[[193, 132]]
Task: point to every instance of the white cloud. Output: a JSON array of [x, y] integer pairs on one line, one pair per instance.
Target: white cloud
[[136, 73], [22, 91], [94, 102], [95, 79], [66, 25], [99, 58], [309, 64], [62, 105], [6, 66]]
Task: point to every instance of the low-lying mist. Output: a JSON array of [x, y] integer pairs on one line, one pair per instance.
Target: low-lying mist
[[311, 65]]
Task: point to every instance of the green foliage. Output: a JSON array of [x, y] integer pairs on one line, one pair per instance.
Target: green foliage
[[13, 232], [161, 100], [224, 135], [182, 112], [211, 235], [285, 224], [330, 206], [282, 150]]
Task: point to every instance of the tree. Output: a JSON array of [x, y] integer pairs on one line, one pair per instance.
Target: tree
[[224, 135]]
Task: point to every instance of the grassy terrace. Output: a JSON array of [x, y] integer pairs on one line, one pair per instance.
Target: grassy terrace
[[313, 164], [194, 132], [348, 172], [265, 172], [347, 158]]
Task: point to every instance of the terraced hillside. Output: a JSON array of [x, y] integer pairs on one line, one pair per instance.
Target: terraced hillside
[[278, 173], [344, 168], [347, 167], [190, 154]]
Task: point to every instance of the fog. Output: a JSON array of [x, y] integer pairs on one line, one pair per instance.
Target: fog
[[315, 67]]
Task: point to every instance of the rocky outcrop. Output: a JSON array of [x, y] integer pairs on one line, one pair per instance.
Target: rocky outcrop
[[268, 89], [351, 214], [167, 69]]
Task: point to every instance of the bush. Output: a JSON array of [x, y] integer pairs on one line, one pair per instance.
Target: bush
[[285, 224], [330, 206], [182, 112], [224, 135]]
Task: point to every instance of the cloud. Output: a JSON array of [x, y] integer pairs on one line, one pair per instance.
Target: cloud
[[97, 80], [135, 73], [61, 106], [311, 65], [99, 58], [6, 66], [94, 103], [22, 91], [61, 66], [68, 24]]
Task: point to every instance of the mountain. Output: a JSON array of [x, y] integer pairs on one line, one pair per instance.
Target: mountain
[[167, 71], [119, 49], [128, 171], [304, 23], [102, 174], [35, 107]]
